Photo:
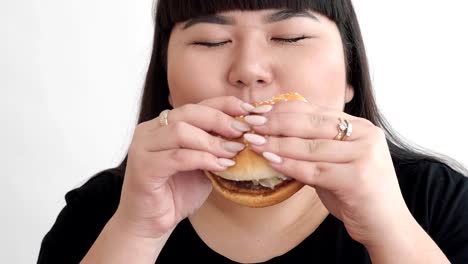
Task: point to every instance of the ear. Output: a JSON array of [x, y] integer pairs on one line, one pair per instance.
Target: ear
[[349, 93]]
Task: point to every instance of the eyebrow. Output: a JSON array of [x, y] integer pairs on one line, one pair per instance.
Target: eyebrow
[[211, 19], [275, 17], [289, 13]]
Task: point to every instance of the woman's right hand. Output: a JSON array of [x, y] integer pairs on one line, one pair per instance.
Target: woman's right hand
[[164, 180]]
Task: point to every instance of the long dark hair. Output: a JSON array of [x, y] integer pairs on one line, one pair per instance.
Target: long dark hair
[[169, 12]]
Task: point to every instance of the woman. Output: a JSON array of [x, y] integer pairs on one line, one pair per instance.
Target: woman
[[367, 197]]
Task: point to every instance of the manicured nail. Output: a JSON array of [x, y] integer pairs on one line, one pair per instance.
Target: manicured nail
[[226, 162], [233, 146], [272, 157], [247, 107], [242, 127], [262, 109], [254, 139], [255, 120]]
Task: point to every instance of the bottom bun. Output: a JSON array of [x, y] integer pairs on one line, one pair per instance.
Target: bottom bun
[[261, 197]]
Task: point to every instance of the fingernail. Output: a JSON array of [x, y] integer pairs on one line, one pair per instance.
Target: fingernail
[[272, 157], [255, 120], [262, 109], [233, 146], [226, 162], [254, 139], [247, 107], [242, 127]]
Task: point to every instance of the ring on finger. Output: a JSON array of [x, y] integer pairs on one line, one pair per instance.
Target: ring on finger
[[345, 129], [349, 130], [163, 117], [341, 129]]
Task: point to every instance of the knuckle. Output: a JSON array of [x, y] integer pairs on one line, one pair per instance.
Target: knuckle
[[211, 141], [207, 157], [312, 146], [378, 134], [366, 122], [178, 156], [204, 158], [316, 120], [316, 173], [299, 172], [219, 117], [179, 127], [311, 175], [181, 133], [143, 125], [275, 144], [188, 109], [140, 128]]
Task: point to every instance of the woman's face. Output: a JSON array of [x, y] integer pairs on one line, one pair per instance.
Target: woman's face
[[255, 55]]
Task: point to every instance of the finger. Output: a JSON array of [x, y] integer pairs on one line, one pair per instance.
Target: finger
[[230, 105], [209, 119], [184, 135], [169, 162], [306, 125], [333, 151], [307, 107], [325, 175]]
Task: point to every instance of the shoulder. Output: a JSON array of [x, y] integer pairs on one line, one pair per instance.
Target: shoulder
[[97, 199], [88, 208], [428, 184], [433, 178], [437, 196], [103, 187]]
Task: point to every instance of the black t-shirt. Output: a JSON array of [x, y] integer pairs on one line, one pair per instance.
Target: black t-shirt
[[436, 195]]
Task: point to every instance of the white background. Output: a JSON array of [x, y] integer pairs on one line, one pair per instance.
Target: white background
[[71, 73]]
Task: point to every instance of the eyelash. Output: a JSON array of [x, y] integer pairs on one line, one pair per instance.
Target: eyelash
[[290, 40], [281, 40]]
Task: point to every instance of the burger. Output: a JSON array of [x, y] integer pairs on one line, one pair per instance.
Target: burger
[[252, 181]]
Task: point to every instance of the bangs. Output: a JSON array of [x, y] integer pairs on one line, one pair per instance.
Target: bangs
[[183, 10]]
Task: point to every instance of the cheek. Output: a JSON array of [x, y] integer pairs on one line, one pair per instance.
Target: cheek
[[192, 78], [319, 73]]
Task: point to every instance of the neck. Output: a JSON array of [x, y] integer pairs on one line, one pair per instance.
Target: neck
[[302, 209]]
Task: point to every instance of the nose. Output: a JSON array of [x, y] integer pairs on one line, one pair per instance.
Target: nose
[[251, 67]]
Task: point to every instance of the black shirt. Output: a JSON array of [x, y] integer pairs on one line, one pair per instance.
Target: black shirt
[[436, 195]]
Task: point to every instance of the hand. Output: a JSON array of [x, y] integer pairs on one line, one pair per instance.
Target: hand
[[163, 180], [355, 179]]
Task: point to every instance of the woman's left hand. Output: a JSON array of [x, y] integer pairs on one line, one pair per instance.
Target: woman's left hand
[[355, 179]]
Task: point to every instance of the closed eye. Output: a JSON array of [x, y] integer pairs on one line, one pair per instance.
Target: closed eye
[[211, 44], [218, 44], [290, 40]]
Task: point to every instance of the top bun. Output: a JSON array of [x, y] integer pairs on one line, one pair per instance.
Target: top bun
[[249, 165]]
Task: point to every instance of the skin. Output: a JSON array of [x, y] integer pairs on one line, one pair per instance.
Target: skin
[[209, 86]]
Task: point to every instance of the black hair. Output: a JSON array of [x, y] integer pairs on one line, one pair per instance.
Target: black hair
[[169, 12]]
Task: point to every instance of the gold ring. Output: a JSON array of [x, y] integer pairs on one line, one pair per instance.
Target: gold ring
[[342, 126], [163, 117], [349, 130], [345, 129]]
